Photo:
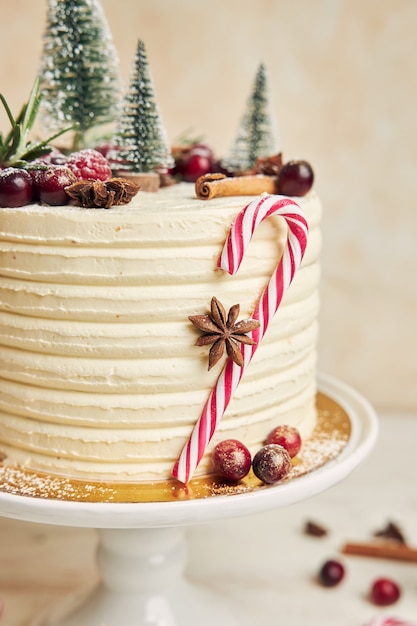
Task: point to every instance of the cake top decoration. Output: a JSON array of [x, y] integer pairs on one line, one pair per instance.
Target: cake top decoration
[[79, 70], [256, 136], [141, 139]]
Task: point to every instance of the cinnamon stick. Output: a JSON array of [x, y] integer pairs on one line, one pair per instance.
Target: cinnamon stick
[[219, 185], [382, 550]]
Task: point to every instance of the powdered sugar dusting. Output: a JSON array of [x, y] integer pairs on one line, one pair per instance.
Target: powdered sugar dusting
[[329, 438]]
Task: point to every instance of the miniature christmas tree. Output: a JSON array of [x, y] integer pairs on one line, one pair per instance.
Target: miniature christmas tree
[[79, 68], [256, 134], [141, 137]]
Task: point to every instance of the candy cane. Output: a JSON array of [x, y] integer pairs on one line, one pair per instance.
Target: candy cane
[[389, 621], [233, 252]]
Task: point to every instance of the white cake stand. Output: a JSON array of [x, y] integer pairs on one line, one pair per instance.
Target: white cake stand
[[142, 549]]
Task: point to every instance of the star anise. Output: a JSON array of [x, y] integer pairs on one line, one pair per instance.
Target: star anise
[[221, 330], [268, 166], [100, 194]]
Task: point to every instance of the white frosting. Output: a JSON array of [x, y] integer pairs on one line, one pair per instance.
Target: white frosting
[[99, 374]]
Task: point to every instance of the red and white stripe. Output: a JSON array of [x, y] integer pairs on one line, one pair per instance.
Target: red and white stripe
[[234, 249], [389, 621]]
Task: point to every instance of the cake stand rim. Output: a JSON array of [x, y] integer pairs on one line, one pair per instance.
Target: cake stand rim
[[119, 515]]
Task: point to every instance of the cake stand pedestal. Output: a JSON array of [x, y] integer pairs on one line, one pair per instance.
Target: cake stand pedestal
[[142, 550]]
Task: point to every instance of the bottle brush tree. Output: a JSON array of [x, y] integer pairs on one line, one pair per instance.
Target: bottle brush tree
[[79, 68], [141, 138], [256, 136]]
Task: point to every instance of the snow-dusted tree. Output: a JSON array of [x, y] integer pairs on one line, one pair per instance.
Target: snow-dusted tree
[[79, 68], [256, 136], [141, 138]]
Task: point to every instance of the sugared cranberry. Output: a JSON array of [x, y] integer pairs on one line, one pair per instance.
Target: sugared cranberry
[[231, 459], [384, 592], [16, 187], [271, 463], [286, 436], [50, 184], [295, 178], [331, 573]]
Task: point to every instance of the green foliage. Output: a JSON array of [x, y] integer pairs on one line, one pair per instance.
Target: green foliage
[[15, 148], [79, 69], [255, 137], [141, 137]]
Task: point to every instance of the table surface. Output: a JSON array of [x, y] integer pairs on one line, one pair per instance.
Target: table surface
[[264, 563]]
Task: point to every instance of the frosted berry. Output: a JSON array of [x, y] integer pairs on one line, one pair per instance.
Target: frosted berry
[[16, 188], [384, 592], [286, 436], [295, 178], [231, 460], [89, 164], [331, 573], [271, 463], [50, 184]]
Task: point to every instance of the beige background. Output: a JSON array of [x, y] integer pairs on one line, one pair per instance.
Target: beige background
[[343, 82]]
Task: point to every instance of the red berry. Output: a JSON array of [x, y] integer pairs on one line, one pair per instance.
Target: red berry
[[295, 178], [89, 164], [50, 184], [105, 148], [286, 436], [331, 573], [384, 592], [16, 188], [231, 459], [54, 157], [196, 162], [271, 463]]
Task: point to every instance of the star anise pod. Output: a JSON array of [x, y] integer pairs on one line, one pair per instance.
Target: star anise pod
[[221, 330], [268, 166], [391, 531], [102, 194]]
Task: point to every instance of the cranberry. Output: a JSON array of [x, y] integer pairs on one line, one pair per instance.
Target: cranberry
[[286, 436], [331, 573], [231, 459], [271, 463], [384, 592], [54, 157], [195, 162], [16, 187], [295, 178], [50, 184]]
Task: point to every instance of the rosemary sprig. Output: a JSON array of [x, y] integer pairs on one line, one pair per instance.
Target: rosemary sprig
[[15, 148]]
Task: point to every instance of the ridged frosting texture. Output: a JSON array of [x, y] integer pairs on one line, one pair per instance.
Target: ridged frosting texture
[[99, 374]]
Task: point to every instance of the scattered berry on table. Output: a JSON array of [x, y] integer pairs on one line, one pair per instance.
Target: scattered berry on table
[[271, 463], [50, 184], [286, 436], [89, 164], [16, 188], [331, 573], [295, 178], [231, 459], [384, 592]]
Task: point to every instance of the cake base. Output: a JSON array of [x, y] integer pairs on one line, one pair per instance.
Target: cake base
[[329, 438], [142, 549]]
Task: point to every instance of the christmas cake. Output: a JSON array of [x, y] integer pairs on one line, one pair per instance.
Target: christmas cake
[[99, 373], [140, 329]]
